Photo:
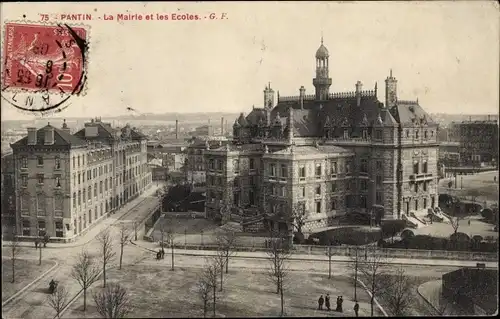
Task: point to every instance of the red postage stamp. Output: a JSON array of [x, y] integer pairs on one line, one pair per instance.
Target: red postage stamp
[[44, 57]]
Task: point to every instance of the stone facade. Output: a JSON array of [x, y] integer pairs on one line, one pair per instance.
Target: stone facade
[[65, 183], [331, 153]]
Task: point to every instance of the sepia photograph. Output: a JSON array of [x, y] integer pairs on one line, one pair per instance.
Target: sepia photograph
[[249, 159]]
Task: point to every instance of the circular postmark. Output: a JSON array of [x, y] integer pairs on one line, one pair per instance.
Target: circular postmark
[[43, 66]]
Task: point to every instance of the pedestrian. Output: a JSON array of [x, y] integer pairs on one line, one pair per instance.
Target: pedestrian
[[327, 302], [341, 301], [338, 304], [36, 243], [320, 302], [468, 222], [356, 307]]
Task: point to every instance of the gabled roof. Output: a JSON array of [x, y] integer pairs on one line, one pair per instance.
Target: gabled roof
[[258, 115], [61, 138], [104, 132]]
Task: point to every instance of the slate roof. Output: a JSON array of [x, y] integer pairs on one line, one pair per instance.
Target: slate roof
[[405, 112], [257, 116], [307, 150], [61, 138]]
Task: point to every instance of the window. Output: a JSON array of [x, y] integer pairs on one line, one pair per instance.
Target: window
[[282, 191], [252, 163], [24, 162], [415, 167], [302, 172], [425, 203], [39, 160], [416, 204], [79, 176], [378, 180], [425, 134], [365, 134], [334, 204], [236, 164], [40, 204], [58, 182], [424, 168], [333, 168], [95, 189], [284, 172], [407, 133], [424, 184], [106, 183], [41, 228], [364, 185], [79, 198], [236, 198], [84, 195], [251, 197], [378, 165], [302, 192], [346, 133], [334, 187], [40, 178], [58, 162], [24, 181], [272, 170], [378, 134], [378, 197], [26, 227], [362, 200], [347, 185], [318, 171], [348, 167], [78, 160], [74, 200], [318, 207], [74, 161], [364, 166], [318, 190], [100, 187], [416, 134], [59, 229], [273, 189]]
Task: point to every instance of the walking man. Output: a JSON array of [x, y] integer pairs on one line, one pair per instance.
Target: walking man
[[327, 302], [356, 308], [320, 302]]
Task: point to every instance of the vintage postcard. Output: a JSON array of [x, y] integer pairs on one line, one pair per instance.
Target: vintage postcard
[[249, 159]]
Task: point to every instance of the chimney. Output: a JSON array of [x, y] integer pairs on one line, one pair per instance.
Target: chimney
[[49, 135], [222, 126], [488, 117], [176, 129], [31, 136], [359, 88], [65, 127], [302, 91]]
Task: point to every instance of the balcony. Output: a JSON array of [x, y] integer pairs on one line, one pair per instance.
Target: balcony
[[420, 177]]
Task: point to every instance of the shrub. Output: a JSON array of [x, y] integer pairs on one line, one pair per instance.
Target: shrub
[[392, 227]]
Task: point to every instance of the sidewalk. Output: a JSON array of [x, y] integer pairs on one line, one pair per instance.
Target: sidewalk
[[97, 229], [260, 255]]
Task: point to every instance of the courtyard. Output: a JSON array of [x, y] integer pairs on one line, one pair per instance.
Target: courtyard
[[482, 186], [443, 230], [156, 292]]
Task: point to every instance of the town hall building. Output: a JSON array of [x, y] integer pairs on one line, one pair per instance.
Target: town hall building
[[330, 154]]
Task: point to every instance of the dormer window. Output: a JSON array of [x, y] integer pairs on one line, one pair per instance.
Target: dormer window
[[346, 133], [365, 134], [416, 134]]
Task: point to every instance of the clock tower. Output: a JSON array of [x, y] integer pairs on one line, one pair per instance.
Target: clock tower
[[391, 94]]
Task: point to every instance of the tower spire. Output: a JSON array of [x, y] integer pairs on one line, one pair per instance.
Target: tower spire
[[321, 37], [391, 73]]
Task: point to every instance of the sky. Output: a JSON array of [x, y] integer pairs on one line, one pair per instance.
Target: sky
[[446, 54]]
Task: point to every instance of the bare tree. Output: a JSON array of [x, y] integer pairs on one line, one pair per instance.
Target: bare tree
[[204, 288], [371, 272], [107, 252], [210, 277], [15, 250], [226, 241], [124, 240], [455, 223], [219, 260], [299, 215], [278, 255], [397, 292], [170, 239], [354, 265], [86, 272], [163, 233], [112, 302], [58, 299]]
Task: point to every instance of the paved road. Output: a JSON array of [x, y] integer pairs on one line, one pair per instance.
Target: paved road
[[32, 303]]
